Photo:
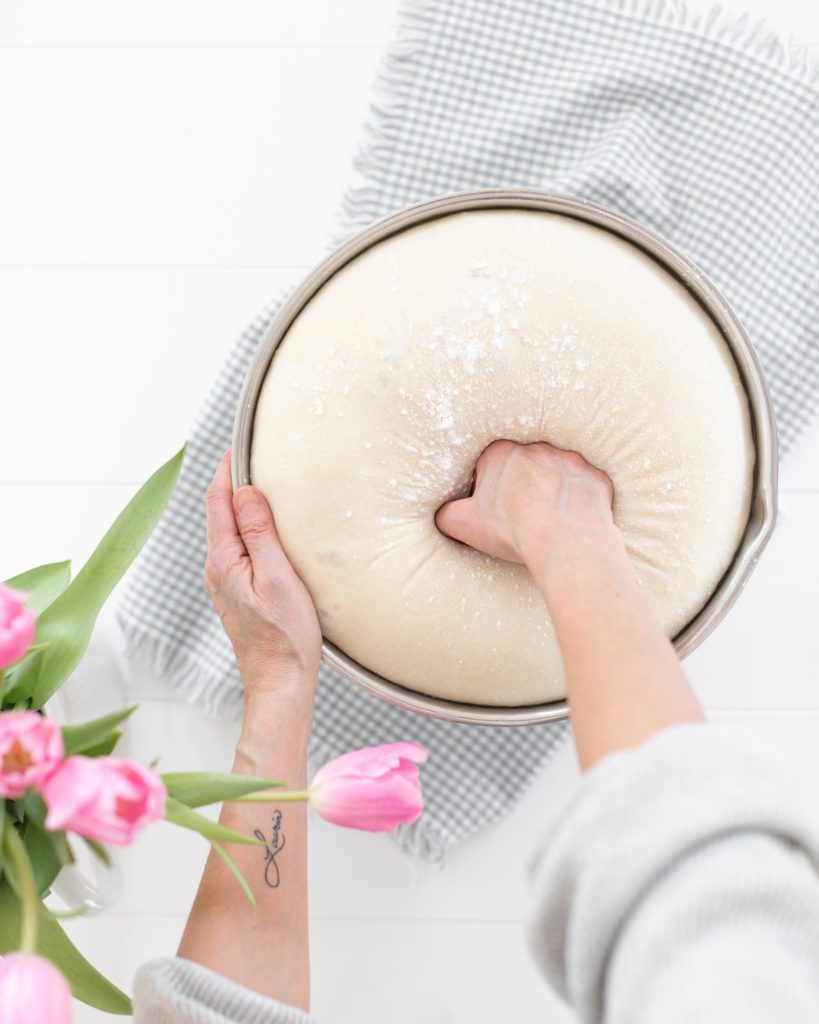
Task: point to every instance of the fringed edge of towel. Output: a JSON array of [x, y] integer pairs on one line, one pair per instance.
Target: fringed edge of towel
[[191, 677], [749, 34], [389, 93]]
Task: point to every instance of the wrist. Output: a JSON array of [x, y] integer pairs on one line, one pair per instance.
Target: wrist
[[268, 674], [556, 561], [265, 758], [275, 726], [272, 710], [279, 682]]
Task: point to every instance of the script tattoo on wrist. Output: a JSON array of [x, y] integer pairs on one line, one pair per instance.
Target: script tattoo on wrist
[[273, 847]]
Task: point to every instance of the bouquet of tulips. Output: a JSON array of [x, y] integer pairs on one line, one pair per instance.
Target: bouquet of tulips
[[63, 785]]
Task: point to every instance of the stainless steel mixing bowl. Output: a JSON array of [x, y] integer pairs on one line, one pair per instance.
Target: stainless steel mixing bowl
[[763, 503]]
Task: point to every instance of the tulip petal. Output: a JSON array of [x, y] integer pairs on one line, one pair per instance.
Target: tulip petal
[[371, 762], [372, 805], [31, 748], [103, 798], [17, 625], [33, 991]]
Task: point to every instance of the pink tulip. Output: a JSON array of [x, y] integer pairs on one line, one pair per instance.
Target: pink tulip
[[31, 748], [374, 789], [17, 625], [103, 798], [32, 991]]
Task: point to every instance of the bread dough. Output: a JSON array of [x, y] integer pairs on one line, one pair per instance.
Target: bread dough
[[411, 359]]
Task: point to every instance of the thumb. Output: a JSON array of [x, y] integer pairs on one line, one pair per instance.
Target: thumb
[[455, 519], [255, 522]]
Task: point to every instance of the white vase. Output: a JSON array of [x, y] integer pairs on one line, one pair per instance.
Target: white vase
[[89, 884]]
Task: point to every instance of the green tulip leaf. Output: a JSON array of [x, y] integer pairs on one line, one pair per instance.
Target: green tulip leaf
[[48, 851], [47, 855], [16, 670], [67, 623], [106, 746], [179, 814], [42, 584], [87, 984], [233, 868], [88, 737], [194, 789]]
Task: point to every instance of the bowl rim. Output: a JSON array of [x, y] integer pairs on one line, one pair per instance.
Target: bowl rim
[[763, 508]]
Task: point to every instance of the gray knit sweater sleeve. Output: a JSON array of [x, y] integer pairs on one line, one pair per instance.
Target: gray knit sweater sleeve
[[176, 991], [681, 884]]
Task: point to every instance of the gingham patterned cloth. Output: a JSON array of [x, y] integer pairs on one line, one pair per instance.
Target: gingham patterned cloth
[[704, 128]]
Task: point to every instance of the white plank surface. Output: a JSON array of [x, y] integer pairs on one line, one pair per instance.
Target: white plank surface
[[176, 156], [167, 167], [205, 23], [131, 354]]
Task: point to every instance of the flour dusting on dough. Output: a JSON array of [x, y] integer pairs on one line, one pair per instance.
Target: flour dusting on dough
[[432, 344]]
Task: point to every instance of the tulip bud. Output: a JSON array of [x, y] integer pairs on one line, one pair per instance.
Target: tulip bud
[[17, 626], [374, 789], [32, 991], [103, 798]]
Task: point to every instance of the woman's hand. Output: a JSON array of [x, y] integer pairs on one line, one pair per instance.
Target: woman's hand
[[266, 610], [552, 511], [530, 502], [269, 616]]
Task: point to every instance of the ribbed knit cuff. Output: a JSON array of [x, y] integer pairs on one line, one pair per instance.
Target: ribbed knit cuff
[[635, 814], [176, 991]]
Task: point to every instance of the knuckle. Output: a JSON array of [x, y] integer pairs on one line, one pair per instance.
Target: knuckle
[[212, 496], [216, 567], [497, 448], [255, 528], [576, 463]]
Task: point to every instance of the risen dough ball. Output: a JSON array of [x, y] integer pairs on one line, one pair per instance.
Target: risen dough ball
[[430, 345]]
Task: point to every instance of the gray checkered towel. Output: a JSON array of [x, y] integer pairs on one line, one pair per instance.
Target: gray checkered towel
[[704, 128]]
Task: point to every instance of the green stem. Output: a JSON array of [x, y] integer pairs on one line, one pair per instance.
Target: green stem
[[2, 685], [273, 796], [30, 900]]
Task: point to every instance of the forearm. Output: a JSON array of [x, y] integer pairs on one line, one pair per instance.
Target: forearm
[[265, 949], [624, 680]]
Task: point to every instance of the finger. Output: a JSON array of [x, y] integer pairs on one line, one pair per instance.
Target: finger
[[479, 471], [257, 529], [454, 519], [490, 464], [224, 541]]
